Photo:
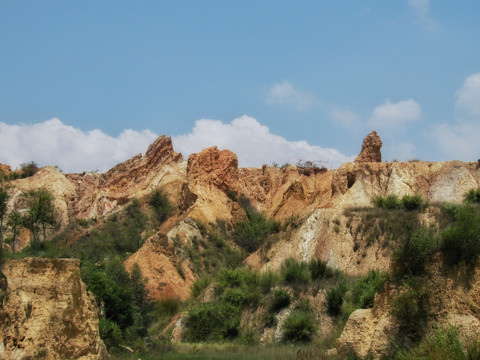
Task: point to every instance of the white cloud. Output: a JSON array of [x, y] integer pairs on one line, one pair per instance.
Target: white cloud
[[468, 97], [393, 114], [460, 139], [253, 143], [53, 143], [345, 118], [285, 94]]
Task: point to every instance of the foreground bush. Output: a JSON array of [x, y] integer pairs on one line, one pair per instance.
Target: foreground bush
[[295, 272], [413, 252], [161, 205], [412, 202], [366, 287], [442, 344], [408, 202], [279, 300], [252, 234], [461, 242], [319, 269], [215, 321], [390, 202], [472, 196], [300, 326], [410, 311], [239, 287]]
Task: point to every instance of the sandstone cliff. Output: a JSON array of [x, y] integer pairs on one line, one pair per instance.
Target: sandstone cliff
[[47, 313]]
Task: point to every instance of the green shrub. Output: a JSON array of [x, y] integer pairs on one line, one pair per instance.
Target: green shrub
[[410, 311], [214, 321], [413, 252], [365, 288], [199, 286], [295, 272], [334, 300], [245, 283], [252, 234], [110, 333], [299, 326], [279, 300], [451, 209], [303, 304], [472, 196], [267, 280], [461, 241], [412, 202], [111, 283], [319, 269], [443, 344], [161, 205], [390, 202]]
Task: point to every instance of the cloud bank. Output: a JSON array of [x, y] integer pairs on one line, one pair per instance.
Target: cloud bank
[[53, 143], [253, 143]]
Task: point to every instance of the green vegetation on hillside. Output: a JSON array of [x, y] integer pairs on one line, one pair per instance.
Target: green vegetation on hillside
[[232, 305]]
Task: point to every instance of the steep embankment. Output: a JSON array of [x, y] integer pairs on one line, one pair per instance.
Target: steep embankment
[[47, 313], [453, 295], [207, 187]]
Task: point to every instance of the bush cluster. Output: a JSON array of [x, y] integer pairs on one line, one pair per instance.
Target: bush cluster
[[295, 272], [301, 272], [410, 311], [461, 241], [413, 251], [213, 321], [220, 319], [365, 288], [279, 300], [300, 325], [251, 234], [161, 205], [472, 196], [408, 202]]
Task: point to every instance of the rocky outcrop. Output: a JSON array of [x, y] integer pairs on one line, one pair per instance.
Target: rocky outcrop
[[213, 167], [168, 274], [5, 169], [371, 149], [47, 313], [365, 335]]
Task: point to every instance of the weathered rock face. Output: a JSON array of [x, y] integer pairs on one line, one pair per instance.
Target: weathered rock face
[[212, 166], [454, 297], [168, 274], [6, 169], [47, 312], [370, 149]]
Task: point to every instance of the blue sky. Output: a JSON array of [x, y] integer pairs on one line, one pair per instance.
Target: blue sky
[[85, 84]]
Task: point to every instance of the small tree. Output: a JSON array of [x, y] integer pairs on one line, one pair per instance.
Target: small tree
[[40, 213], [161, 205], [3, 211], [15, 223]]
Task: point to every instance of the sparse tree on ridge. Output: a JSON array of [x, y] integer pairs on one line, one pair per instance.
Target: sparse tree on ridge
[[40, 213]]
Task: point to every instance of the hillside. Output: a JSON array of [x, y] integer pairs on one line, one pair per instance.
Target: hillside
[[221, 218]]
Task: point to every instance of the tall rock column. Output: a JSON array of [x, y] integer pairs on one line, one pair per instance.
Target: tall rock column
[[370, 149]]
